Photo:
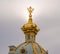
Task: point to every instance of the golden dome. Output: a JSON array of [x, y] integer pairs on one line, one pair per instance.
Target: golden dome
[[30, 26]]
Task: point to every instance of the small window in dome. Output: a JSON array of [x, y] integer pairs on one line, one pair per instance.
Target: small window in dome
[[23, 51], [28, 36]]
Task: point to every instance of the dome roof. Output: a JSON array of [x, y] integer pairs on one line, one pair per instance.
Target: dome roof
[[30, 48]]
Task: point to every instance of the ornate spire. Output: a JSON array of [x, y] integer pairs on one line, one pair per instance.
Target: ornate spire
[[30, 29], [30, 9]]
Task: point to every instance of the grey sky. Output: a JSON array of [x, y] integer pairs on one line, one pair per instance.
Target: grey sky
[[46, 16]]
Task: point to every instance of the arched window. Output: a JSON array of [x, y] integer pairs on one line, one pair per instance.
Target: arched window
[[29, 36]]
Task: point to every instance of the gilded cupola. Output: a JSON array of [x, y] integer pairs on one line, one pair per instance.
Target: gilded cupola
[[30, 29]]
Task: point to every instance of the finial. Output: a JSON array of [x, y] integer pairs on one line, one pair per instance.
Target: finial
[[30, 29], [30, 9]]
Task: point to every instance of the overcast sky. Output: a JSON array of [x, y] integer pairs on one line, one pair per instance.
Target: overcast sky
[[13, 14]]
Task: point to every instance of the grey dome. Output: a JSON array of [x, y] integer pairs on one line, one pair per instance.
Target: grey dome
[[29, 48]]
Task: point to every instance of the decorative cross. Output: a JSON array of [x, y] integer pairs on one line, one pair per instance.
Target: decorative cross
[[30, 9]]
